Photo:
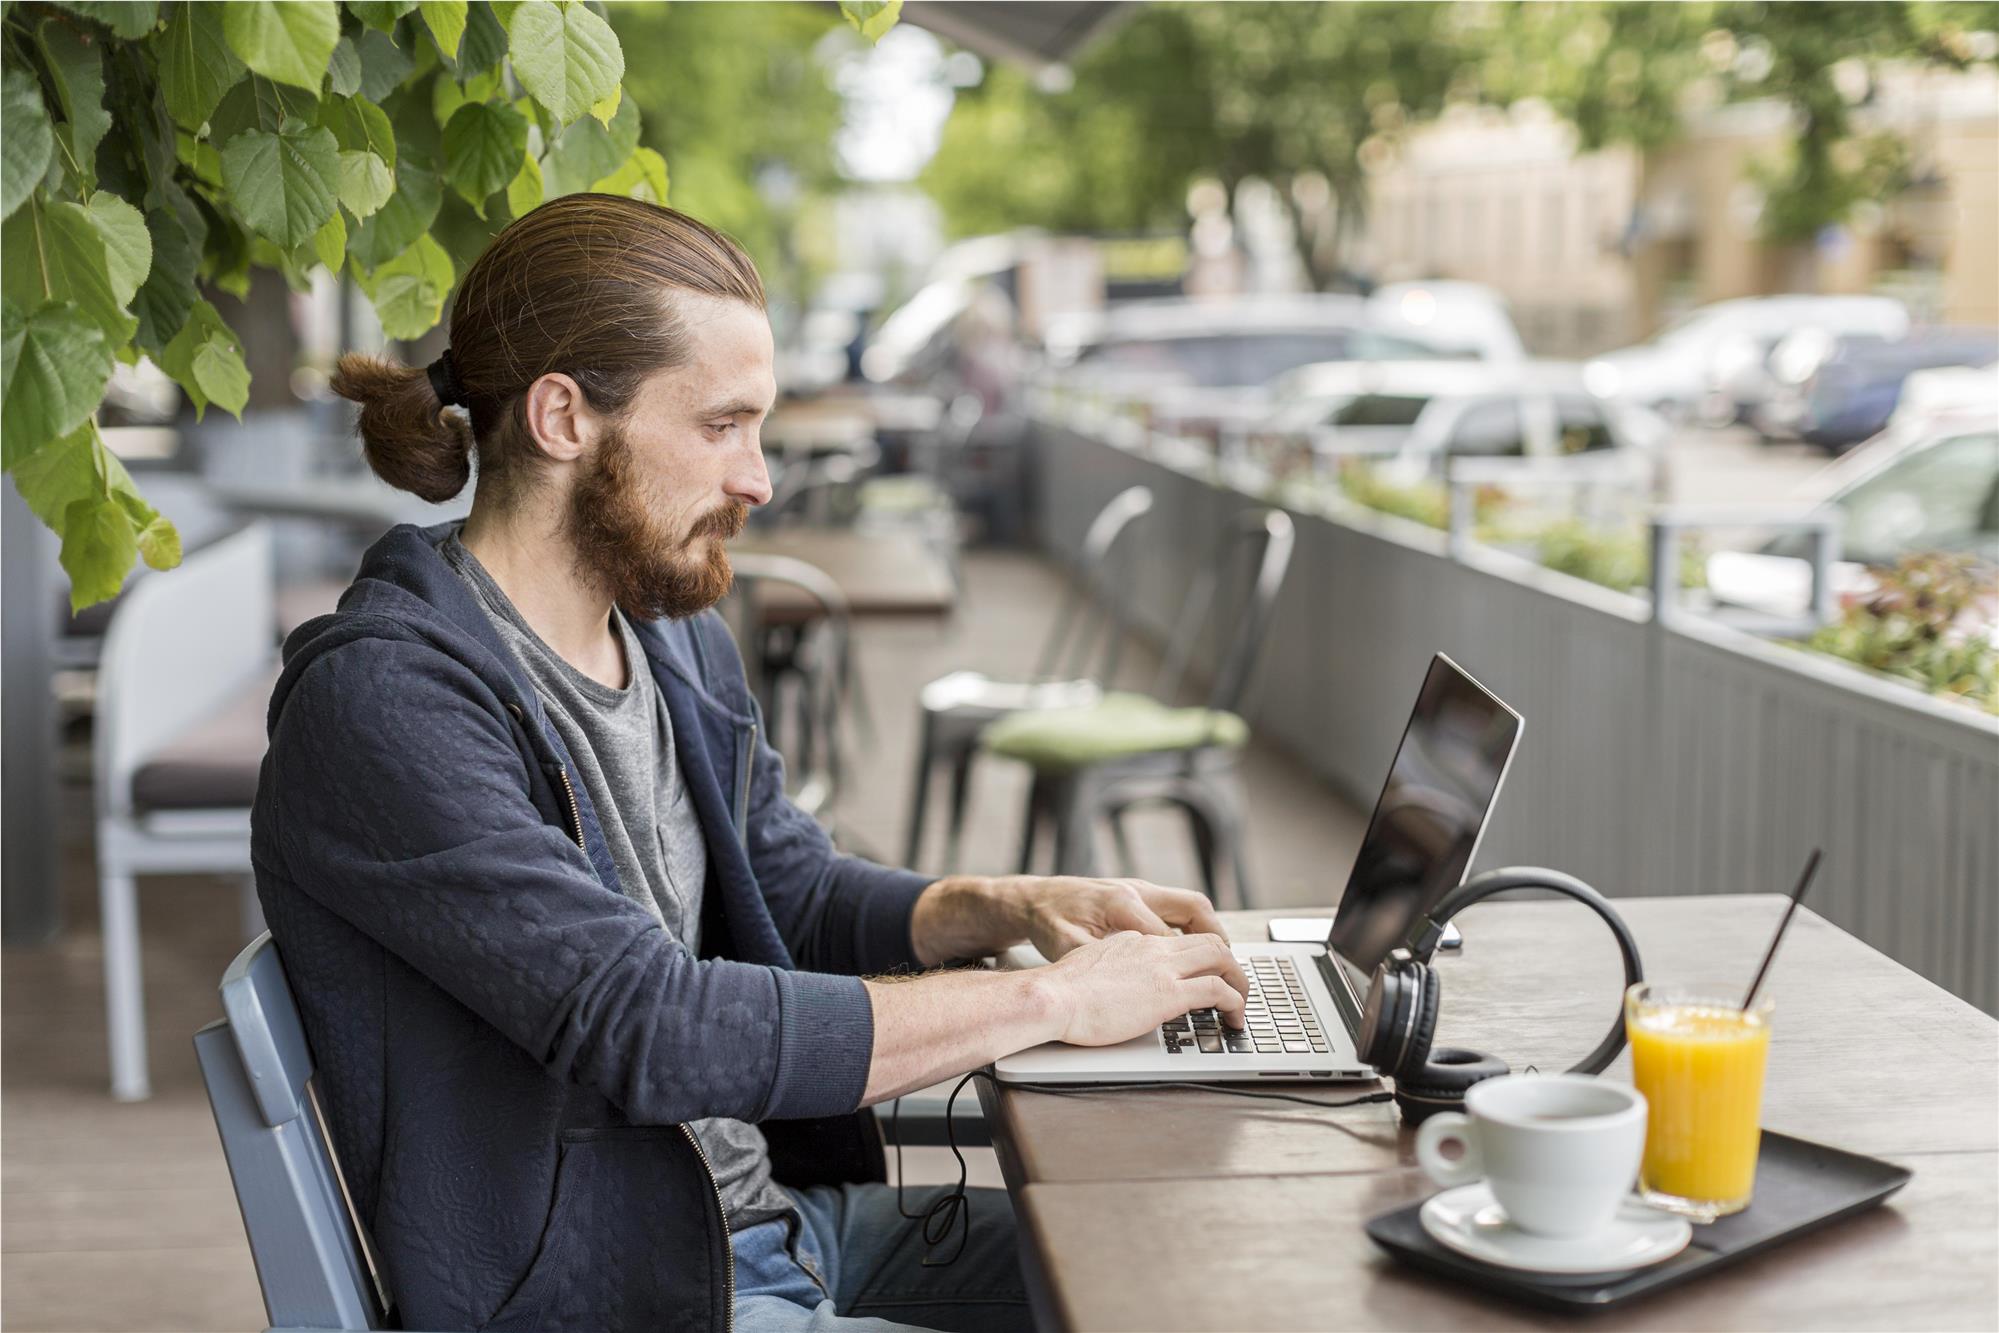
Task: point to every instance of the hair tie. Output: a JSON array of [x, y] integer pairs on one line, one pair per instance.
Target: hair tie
[[444, 380]]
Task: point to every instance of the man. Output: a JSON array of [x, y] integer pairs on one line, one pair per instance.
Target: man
[[594, 1004]]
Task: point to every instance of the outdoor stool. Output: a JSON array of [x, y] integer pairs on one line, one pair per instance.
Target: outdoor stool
[[956, 709], [1097, 762]]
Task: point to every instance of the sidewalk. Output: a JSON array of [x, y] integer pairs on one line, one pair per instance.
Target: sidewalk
[[122, 1217]]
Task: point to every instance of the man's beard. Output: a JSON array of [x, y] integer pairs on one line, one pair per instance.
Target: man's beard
[[650, 572]]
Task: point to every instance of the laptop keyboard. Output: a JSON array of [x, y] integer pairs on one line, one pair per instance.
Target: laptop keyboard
[[1277, 1020]]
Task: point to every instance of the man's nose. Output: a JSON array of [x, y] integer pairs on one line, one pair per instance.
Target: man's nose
[[751, 483]]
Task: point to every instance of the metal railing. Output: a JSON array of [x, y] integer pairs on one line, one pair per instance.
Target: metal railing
[[1664, 753]]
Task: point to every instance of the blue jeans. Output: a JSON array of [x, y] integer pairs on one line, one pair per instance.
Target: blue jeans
[[857, 1265]]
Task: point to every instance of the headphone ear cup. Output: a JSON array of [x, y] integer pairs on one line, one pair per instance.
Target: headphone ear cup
[[1426, 994], [1385, 1017], [1442, 1082]]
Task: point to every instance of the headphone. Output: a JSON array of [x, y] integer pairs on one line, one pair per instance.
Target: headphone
[[1399, 1018]]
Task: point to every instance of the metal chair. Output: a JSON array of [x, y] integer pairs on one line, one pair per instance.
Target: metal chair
[[957, 708], [1126, 750], [803, 683], [314, 1261], [182, 685]]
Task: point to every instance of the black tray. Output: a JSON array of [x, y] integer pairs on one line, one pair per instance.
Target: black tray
[[1800, 1187]]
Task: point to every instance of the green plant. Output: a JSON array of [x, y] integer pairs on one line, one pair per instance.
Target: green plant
[[153, 151], [1424, 502], [1619, 558], [1913, 627]]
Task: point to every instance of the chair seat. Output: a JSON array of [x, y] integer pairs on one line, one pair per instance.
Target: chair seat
[[910, 493], [972, 693], [1116, 727], [214, 764]]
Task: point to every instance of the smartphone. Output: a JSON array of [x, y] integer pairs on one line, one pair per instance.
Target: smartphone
[[1301, 929], [1318, 929]]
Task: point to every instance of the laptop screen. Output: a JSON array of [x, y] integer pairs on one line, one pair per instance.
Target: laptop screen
[[1427, 823]]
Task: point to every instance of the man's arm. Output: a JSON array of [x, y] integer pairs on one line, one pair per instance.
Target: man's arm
[[1110, 990], [394, 795]]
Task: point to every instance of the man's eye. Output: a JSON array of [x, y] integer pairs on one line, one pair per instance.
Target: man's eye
[[719, 427]]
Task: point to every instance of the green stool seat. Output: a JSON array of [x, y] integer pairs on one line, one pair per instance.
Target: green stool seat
[[1116, 727]]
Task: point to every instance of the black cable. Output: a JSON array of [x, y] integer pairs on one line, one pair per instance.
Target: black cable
[[941, 1217]]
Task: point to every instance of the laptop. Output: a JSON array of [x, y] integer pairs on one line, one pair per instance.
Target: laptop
[[1305, 999]]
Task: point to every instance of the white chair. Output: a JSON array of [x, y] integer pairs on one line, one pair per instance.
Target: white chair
[[182, 685]]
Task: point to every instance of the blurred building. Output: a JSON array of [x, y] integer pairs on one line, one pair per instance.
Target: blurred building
[[1595, 250]]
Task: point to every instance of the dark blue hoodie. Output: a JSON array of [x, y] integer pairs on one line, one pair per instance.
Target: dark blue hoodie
[[507, 1045]]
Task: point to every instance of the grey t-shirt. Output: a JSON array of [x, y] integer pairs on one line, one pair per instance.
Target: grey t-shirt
[[621, 741]]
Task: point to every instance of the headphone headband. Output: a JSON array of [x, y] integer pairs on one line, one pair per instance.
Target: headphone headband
[[1536, 877]]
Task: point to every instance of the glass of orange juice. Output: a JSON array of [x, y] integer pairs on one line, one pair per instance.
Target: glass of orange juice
[[1698, 1058]]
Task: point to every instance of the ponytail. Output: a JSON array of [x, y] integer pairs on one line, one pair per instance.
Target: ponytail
[[409, 439]]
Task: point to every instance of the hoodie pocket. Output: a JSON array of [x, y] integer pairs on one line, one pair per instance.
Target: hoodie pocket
[[631, 1240]]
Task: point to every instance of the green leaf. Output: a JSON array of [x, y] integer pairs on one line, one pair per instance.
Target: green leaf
[[418, 135], [384, 65], [587, 151], [407, 215], [286, 183], [409, 290], [365, 182], [98, 548], [565, 56], [360, 126], [11, 339], [59, 374], [206, 359], [380, 14], [524, 192], [58, 474], [163, 303], [484, 145], [196, 65], [256, 103], [343, 71], [28, 144], [606, 109], [446, 21], [128, 248], [130, 19], [872, 18], [329, 243], [485, 41], [290, 41], [77, 267], [642, 177], [77, 70]]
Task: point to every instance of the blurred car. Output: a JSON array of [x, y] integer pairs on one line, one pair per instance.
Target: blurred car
[[1852, 395], [1928, 393], [1929, 485], [1413, 414], [1466, 318], [1202, 367], [1713, 363]]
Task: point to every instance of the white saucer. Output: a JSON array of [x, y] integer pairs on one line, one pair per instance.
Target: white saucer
[[1469, 1220]]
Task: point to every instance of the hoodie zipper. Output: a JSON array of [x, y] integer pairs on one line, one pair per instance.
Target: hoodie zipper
[[728, 1241], [747, 761], [575, 811]]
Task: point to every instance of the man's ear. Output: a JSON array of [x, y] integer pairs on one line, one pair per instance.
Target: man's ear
[[560, 418]]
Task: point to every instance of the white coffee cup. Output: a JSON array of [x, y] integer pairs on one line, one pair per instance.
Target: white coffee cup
[[1560, 1151]]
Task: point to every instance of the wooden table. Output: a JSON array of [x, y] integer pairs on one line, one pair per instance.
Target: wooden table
[[881, 574], [1178, 1209]]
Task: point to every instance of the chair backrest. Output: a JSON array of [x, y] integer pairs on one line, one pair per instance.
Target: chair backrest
[[312, 1259], [1067, 651], [1262, 539], [824, 662], [179, 648]]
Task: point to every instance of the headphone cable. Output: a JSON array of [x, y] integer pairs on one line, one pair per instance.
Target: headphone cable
[[954, 1206]]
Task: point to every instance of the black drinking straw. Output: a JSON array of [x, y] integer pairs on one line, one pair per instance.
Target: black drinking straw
[[1797, 896]]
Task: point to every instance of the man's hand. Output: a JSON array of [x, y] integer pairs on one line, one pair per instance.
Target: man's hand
[[1114, 989], [969, 916]]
